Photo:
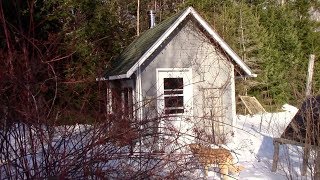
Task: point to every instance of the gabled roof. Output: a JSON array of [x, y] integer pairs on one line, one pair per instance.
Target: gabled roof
[[143, 46]]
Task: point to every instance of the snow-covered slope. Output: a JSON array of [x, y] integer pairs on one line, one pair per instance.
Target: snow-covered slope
[[253, 146]]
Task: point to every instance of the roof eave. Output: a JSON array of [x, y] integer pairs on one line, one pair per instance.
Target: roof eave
[[246, 76], [120, 76]]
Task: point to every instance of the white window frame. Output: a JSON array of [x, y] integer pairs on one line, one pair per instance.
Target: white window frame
[[186, 74]]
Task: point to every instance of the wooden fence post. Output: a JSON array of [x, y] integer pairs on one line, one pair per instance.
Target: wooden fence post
[[275, 156], [306, 155], [310, 75], [317, 165]]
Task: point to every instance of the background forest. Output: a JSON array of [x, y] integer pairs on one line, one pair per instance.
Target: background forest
[[52, 50]]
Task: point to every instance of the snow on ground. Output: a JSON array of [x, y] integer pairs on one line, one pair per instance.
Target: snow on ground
[[253, 146]]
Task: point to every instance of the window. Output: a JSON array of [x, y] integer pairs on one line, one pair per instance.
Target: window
[[173, 95], [122, 101], [127, 102], [175, 92]]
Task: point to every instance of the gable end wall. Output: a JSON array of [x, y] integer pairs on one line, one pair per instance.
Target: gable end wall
[[212, 77]]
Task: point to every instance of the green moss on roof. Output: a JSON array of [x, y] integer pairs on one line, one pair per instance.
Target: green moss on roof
[[139, 46]]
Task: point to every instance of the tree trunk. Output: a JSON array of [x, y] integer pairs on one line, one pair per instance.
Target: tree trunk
[[317, 165], [138, 18]]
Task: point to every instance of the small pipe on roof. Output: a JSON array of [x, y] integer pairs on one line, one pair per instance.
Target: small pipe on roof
[[152, 18]]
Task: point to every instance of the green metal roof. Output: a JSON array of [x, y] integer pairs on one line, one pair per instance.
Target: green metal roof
[[139, 46]]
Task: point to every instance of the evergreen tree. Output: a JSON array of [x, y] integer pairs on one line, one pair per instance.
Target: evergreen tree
[[286, 51]]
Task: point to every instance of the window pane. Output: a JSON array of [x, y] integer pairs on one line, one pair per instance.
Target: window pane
[[173, 101], [127, 102], [173, 83]]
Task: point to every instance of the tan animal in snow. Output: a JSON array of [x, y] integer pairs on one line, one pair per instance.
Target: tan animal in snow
[[220, 156]]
